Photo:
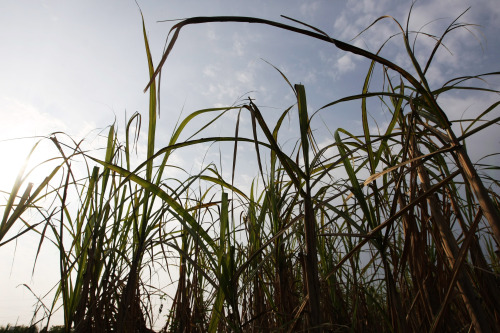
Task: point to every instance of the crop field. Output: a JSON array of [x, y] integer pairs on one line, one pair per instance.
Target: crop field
[[393, 229]]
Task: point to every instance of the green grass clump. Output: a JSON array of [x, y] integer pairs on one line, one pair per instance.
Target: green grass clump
[[404, 242]]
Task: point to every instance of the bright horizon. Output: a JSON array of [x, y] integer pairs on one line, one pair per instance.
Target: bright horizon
[[77, 68]]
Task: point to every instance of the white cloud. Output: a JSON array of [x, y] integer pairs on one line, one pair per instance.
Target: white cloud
[[469, 106], [358, 15], [211, 34], [210, 70], [311, 77], [222, 91], [364, 6], [23, 117], [340, 25], [310, 9], [26, 124], [345, 64], [238, 45], [244, 77]]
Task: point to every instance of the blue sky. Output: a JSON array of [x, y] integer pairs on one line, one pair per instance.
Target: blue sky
[[76, 67]]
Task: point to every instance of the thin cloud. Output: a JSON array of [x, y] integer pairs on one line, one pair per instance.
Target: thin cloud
[[345, 64], [310, 9], [23, 117]]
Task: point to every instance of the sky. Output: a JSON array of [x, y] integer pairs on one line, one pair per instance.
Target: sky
[[79, 66]]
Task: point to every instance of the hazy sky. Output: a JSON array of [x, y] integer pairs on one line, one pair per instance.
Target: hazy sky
[[77, 66]]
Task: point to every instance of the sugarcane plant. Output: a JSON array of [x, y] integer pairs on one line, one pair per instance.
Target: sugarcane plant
[[406, 241]]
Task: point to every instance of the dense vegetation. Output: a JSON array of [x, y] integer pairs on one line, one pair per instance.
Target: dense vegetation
[[404, 242], [29, 329]]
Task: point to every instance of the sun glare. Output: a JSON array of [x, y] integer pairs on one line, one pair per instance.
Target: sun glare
[[19, 153]]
